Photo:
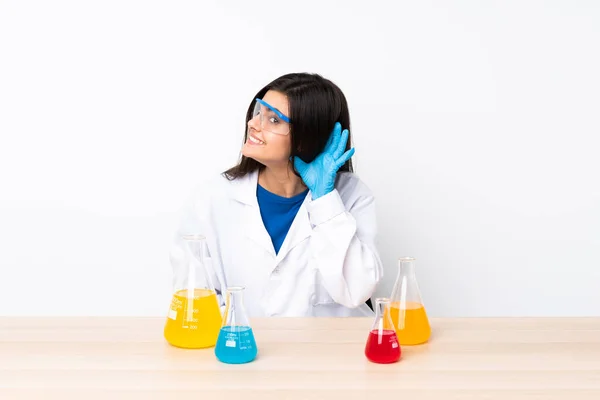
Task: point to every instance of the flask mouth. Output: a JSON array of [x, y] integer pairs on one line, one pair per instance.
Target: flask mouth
[[382, 300], [406, 259], [193, 237]]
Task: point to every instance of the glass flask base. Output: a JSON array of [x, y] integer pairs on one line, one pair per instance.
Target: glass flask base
[[202, 330], [411, 322], [382, 348], [236, 345]]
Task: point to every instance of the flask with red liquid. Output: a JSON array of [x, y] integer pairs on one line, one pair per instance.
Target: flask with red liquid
[[382, 344]]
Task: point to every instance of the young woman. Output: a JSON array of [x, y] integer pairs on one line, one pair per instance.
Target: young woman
[[291, 222]]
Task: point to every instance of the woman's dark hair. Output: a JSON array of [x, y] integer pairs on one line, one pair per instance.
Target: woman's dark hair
[[316, 104]]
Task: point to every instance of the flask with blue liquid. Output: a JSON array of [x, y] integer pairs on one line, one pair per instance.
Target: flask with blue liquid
[[235, 344]]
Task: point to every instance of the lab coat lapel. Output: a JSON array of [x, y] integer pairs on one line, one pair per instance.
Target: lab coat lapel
[[299, 230], [244, 191]]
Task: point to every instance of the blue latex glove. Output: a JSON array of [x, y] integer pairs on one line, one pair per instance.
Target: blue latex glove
[[319, 175]]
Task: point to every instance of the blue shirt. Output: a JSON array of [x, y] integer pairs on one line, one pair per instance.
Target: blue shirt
[[278, 213]]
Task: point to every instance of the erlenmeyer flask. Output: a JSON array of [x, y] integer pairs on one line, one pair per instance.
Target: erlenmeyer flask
[[236, 344], [407, 309], [194, 317], [382, 344]]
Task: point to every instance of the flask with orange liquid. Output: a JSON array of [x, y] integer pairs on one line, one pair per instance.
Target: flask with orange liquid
[[194, 318], [407, 310]]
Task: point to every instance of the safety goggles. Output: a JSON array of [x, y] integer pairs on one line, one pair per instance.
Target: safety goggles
[[271, 119]]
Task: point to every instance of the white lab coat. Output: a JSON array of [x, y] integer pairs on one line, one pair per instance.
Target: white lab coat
[[328, 264]]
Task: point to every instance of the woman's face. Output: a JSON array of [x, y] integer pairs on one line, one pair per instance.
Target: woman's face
[[265, 142]]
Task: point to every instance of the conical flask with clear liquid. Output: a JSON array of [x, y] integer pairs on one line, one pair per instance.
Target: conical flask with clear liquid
[[407, 310], [194, 317], [382, 344], [236, 343]]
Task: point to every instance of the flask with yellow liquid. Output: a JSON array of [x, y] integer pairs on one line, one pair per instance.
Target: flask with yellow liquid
[[407, 310], [194, 318]]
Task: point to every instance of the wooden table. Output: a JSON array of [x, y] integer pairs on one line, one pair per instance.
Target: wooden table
[[127, 358]]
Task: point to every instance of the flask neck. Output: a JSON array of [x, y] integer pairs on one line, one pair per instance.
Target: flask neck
[[382, 314], [406, 289], [380, 305], [406, 267], [235, 312], [235, 297], [195, 272], [195, 245]]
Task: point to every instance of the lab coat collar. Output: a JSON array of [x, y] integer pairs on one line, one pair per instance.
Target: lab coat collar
[[244, 191]]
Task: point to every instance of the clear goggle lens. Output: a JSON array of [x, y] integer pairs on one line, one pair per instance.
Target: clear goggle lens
[[271, 119]]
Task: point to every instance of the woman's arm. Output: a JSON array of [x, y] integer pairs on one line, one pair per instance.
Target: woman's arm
[[343, 243]]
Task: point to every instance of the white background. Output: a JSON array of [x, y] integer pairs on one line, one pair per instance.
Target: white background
[[475, 124]]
